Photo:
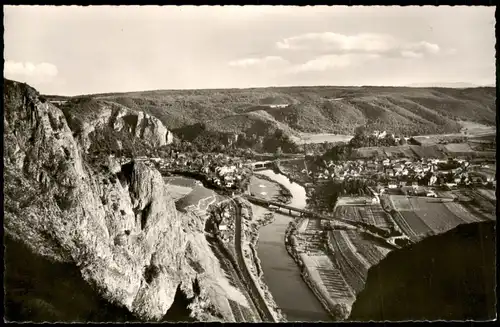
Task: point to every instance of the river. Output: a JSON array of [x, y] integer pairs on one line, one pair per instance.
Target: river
[[281, 273]]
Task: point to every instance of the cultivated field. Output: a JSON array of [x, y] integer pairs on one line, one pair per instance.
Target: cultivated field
[[458, 147], [417, 216], [427, 150], [311, 243], [328, 277], [487, 193], [418, 226], [348, 200], [477, 129], [305, 138], [398, 151], [350, 264], [431, 151], [405, 226], [461, 212], [368, 214], [481, 205], [379, 217], [366, 248], [434, 214], [400, 202]]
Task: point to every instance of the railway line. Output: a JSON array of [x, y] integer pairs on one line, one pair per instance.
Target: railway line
[[258, 300], [227, 266]]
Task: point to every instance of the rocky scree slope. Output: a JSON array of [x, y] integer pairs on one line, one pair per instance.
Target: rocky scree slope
[[117, 224]]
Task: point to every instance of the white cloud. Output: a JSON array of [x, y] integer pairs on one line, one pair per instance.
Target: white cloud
[[329, 41], [252, 62], [411, 54], [334, 61], [30, 72], [358, 43], [423, 47]]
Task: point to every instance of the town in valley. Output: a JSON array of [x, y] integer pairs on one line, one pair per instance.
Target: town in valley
[[229, 196]]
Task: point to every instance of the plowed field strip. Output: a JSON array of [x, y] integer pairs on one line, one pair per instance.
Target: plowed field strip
[[415, 223], [352, 270], [354, 250], [401, 222], [461, 212], [369, 251], [435, 215]]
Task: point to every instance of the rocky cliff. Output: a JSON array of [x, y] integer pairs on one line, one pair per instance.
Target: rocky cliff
[[86, 115], [117, 224]]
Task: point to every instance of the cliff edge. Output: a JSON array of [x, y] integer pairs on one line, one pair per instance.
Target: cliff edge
[[117, 224]]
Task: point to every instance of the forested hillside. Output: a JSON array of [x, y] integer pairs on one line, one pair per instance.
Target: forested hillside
[[398, 110]]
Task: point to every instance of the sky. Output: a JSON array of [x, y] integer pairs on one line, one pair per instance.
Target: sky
[[83, 50]]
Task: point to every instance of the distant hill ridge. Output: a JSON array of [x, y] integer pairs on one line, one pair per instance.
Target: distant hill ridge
[[400, 110]]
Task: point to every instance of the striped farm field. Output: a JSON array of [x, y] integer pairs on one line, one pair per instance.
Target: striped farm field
[[479, 212], [415, 222], [335, 285], [365, 248], [480, 205], [461, 212], [435, 214], [348, 212], [489, 194], [353, 270], [400, 202], [369, 214], [405, 227], [380, 217]]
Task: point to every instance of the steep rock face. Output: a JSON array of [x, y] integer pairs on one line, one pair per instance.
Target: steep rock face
[[88, 115], [444, 277], [118, 224]]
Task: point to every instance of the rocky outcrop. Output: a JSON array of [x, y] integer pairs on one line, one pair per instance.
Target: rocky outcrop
[[89, 115], [117, 224], [450, 276]]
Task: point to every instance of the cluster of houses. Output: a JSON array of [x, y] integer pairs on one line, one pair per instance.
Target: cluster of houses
[[383, 134], [226, 226], [221, 169], [405, 171]]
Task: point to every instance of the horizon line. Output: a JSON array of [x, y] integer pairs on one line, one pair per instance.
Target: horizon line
[[411, 85]]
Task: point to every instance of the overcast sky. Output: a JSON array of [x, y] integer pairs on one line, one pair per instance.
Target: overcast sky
[[80, 50]]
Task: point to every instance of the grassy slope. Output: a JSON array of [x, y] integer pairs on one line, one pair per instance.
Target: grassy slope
[[312, 109]]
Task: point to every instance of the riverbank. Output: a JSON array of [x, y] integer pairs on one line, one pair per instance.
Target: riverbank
[[293, 177], [253, 261], [285, 195], [339, 310]]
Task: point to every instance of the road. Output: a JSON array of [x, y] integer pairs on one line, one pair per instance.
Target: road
[[259, 301]]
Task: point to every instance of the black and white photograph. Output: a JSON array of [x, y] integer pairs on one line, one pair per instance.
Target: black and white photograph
[[249, 164]]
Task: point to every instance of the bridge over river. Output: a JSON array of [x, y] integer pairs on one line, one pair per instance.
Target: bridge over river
[[307, 213]]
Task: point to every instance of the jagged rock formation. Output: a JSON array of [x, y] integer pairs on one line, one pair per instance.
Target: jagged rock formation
[[117, 224], [444, 277], [87, 115]]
